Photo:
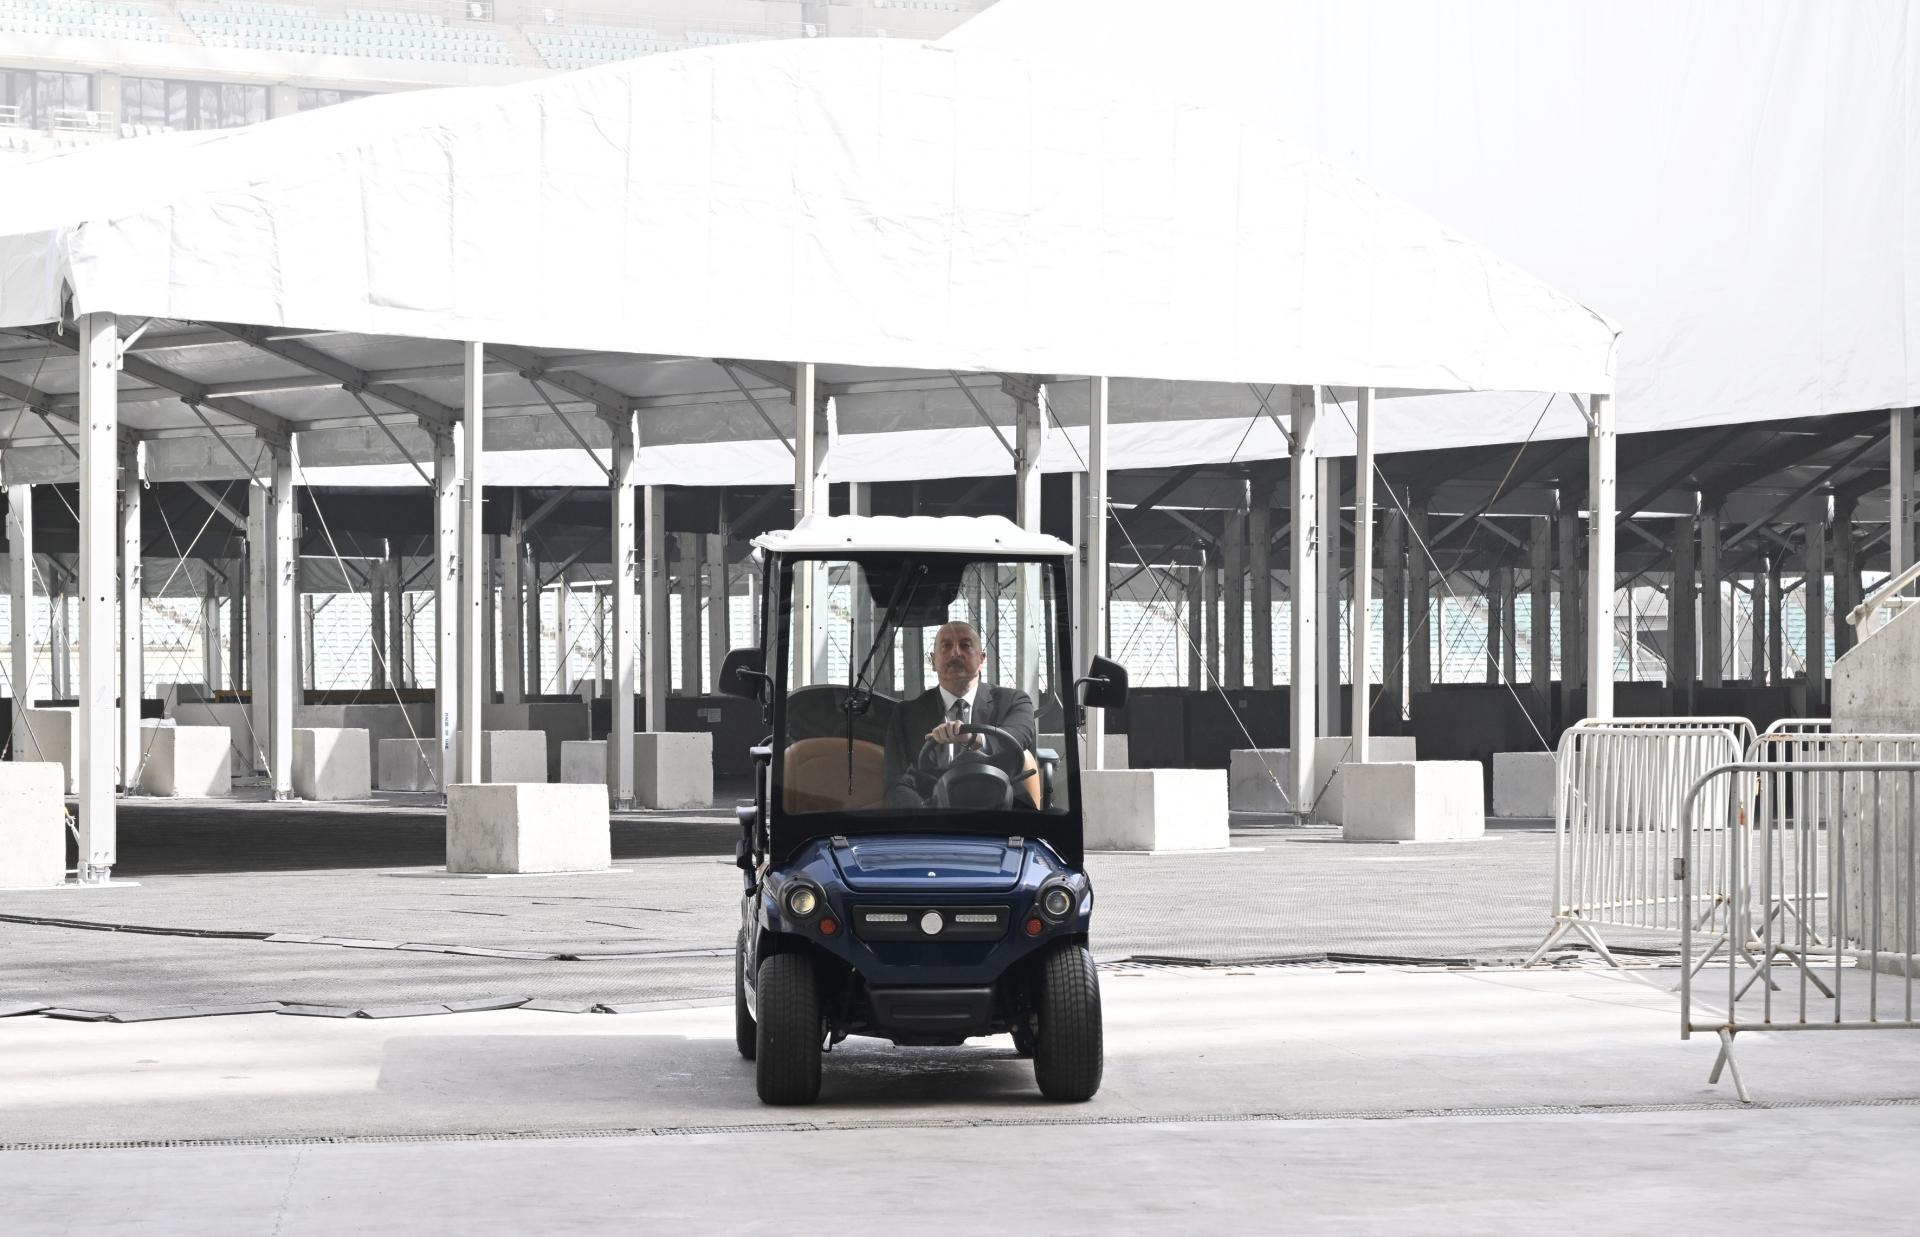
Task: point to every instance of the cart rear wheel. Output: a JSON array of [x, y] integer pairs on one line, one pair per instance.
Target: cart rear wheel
[[1069, 1056], [744, 1032], [787, 1049]]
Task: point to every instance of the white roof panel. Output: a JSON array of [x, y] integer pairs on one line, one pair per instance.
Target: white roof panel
[[867, 202]]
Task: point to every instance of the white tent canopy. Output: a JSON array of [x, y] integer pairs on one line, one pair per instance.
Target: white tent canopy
[[1738, 181], [894, 211]]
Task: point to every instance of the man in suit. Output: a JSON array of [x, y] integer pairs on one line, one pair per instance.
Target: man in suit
[[961, 697]]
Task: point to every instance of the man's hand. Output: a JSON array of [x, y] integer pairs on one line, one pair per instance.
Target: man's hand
[[950, 732]]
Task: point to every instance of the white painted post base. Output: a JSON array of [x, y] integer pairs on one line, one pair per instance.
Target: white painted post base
[[1414, 801], [513, 827], [409, 765], [1523, 784], [331, 764], [33, 821], [49, 739], [186, 762], [1155, 809]]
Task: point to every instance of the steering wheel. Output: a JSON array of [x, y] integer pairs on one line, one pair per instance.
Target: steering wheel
[[1005, 755]]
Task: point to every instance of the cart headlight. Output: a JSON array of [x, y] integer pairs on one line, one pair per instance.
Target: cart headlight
[[1057, 903], [802, 902]]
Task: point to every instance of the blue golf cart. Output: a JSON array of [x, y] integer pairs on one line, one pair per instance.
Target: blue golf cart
[[905, 887]]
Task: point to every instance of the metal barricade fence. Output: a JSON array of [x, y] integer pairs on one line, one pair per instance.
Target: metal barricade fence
[[1847, 830], [1799, 859], [1616, 784]]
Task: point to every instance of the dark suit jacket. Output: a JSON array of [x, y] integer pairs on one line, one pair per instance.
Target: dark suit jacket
[[1005, 707]]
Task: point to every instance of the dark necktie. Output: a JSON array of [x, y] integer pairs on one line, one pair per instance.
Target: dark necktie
[[958, 713]]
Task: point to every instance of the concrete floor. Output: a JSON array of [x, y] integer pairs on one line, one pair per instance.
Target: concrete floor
[[211, 876], [1262, 1099]]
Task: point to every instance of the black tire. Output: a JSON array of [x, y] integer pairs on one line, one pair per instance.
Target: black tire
[[787, 1057], [1023, 1037], [745, 1035], [1070, 1055]]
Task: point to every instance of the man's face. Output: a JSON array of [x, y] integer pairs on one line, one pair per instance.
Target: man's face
[[957, 657]]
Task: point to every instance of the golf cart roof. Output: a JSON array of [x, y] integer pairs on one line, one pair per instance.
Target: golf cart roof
[[989, 535]]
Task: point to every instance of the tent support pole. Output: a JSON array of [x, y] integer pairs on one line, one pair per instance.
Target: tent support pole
[[1303, 554], [626, 596], [656, 628], [475, 577], [513, 609], [131, 639], [1260, 575], [446, 596], [20, 613], [810, 442], [1093, 517], [1326, 595], [1362, 621], [95, 742], [260, 620], [282, 577], [1602, 484]]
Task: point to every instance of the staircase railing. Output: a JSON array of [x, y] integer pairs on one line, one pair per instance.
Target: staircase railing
[[1885, 598]]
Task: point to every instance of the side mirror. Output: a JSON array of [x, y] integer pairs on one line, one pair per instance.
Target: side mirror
[[1106, 684], [741, 675]]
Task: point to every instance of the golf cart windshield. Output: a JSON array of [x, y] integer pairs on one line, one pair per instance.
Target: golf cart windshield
[[867, 644]]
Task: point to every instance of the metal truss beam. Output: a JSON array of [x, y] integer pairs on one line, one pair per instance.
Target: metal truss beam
[[354, 380]]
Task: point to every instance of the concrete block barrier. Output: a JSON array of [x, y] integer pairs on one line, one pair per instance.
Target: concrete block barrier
[[332, 764], [33, 824], [409, 765], [1155, 809], [1415, 801], [1523, 784], [516, 827], [48, 738], [186, 762]]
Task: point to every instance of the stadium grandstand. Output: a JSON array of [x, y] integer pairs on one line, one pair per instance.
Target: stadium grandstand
[[74, 72]]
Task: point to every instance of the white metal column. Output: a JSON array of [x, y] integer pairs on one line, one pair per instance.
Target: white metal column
[[1602, 480], [1326, 594], [211, 656], [692, 552], [533, 628], [95, 737], [1093, 516], [810, 442], [446, 601], [1712, 616], [1260, 577], [626, 597], [1900, 497], [1303, 560], [1030, 443], [475, 590], [399, 631], [132, 640], [260, 621], [513, 610], [720, 605], [20, 613], [1362, 618], [1233, 595], [379, 586], [283, 694], [656, 628]]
